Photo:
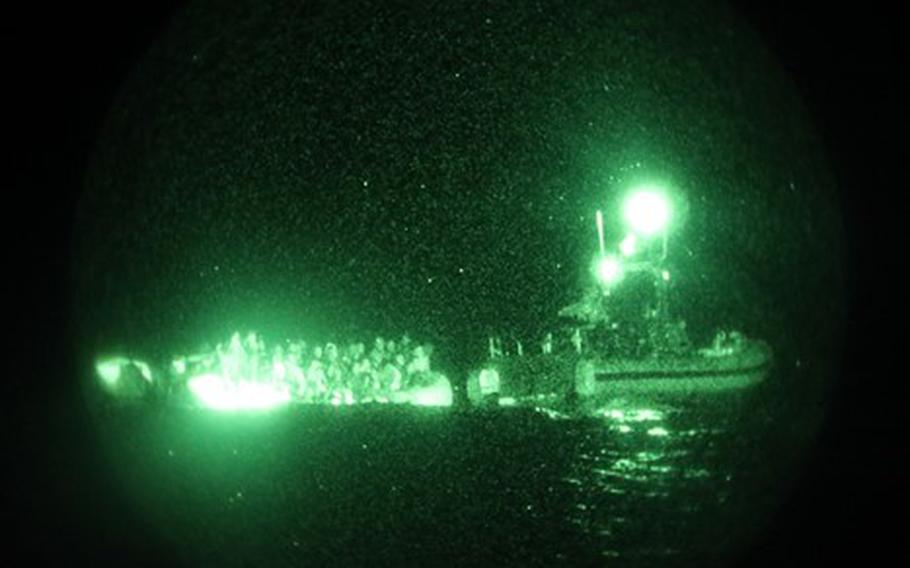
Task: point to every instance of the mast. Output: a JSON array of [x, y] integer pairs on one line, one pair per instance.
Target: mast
[[662, 276]]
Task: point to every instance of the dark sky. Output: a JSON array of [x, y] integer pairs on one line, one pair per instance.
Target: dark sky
[[362, 169], [62, 70]]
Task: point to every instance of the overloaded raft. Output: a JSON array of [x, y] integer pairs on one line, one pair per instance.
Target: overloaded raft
[[605, 349], [243, 373]]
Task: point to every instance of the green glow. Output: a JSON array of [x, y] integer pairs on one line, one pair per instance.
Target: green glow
[[622, 418], [246, 377], [438, 394], [342, 397], [109, 370], [632, 415], [489, 381], [665, 275], [609, 270], [647, 211], [218, 393], [629, 245], [144, 369], [215, 392], [246, 374], [551, 413]]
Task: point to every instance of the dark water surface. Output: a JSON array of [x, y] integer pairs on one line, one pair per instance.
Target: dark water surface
[[640, 483]]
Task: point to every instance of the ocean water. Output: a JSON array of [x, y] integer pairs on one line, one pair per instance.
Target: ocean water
[[637, 482]]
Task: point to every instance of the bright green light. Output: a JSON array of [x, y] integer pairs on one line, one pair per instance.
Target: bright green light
[[647, 211], [609, 270], [665, 275], [144, 369], [438, 394], [342, 397], [628, 246], [489, 381], [217, 393], [109, 370], [632, 414]]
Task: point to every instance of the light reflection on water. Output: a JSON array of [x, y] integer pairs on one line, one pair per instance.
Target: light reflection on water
[[638, 481], [650, 480]]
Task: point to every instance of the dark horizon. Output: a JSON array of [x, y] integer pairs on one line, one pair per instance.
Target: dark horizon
[[446, 186]]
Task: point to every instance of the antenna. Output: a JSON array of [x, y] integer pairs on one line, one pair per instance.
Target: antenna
[[600, 232]]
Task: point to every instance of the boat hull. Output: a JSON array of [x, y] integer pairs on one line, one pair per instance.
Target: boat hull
[[522, 377], [699, 372], [586, 378]]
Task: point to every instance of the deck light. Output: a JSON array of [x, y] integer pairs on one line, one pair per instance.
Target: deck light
[[647, 211], [609, 270]]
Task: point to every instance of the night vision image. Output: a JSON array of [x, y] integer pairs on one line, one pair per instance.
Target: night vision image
[[456, 283]]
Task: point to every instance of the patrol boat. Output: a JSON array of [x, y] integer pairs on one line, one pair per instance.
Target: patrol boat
[[605, 350]]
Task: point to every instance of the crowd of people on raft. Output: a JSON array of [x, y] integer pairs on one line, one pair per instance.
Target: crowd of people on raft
[[322, 372]]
